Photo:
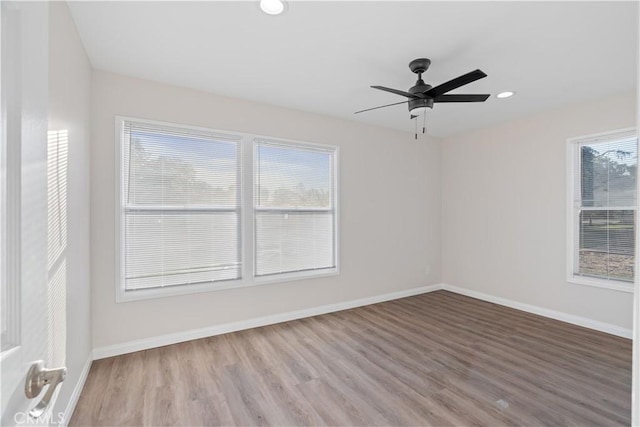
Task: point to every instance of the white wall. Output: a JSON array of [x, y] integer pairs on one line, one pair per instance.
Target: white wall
[[69, 109], [390, 210], [504, 210]]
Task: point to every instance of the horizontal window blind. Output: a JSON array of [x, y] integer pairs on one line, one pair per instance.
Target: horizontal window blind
[[294, 208], [605, 207], [180, 206]]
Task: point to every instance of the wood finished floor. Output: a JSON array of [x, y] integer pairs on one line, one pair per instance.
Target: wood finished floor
[[436, 359]]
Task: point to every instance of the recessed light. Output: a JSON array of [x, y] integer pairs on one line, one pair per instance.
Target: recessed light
[[506, 94], [273, 7]]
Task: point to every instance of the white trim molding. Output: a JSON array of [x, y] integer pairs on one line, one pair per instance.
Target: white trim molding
[[77, 390], [193, 334], [545, 312], [635, 372], [256, 322]]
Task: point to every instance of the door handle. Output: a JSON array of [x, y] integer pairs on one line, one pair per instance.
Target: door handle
[[37, 378]]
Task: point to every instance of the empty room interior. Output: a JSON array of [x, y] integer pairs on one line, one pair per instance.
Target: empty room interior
[[293, 213]]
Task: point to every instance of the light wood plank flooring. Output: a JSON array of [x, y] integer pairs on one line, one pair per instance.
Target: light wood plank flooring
[[436, 359]]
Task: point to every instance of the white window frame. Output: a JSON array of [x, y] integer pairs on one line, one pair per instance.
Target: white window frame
[[285, 210], [10, 205], [247, 145], [573, 208]]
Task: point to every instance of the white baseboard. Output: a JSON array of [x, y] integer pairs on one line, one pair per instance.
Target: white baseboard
[[162, 340], [77, 389], [557, 315], [159, 341]]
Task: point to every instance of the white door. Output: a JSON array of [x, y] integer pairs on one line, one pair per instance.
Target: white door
[[23, 212]]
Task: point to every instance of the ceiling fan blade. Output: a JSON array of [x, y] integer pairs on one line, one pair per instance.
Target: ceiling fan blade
[[399, 92], [455, 83], [382, 106], [461, 98]]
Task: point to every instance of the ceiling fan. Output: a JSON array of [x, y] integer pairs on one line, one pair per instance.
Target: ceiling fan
[[423, 96]]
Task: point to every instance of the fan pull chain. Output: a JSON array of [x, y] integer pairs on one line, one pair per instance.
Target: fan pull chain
[[424, 122], [415, 122]]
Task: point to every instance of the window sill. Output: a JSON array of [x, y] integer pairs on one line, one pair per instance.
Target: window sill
[[152, 293], [613, 285]]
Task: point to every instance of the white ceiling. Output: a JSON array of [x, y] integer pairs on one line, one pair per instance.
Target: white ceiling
[[322, 56]]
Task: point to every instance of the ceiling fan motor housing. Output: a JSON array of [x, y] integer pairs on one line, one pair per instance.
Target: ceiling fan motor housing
[[424, 101]]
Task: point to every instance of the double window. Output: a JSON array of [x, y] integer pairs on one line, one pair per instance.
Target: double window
[[603, 209], [201, 210]]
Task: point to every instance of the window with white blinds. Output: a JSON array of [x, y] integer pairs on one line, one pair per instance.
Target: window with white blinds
[[294, 206], [203, 209], [180, 201], [604, 207]]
